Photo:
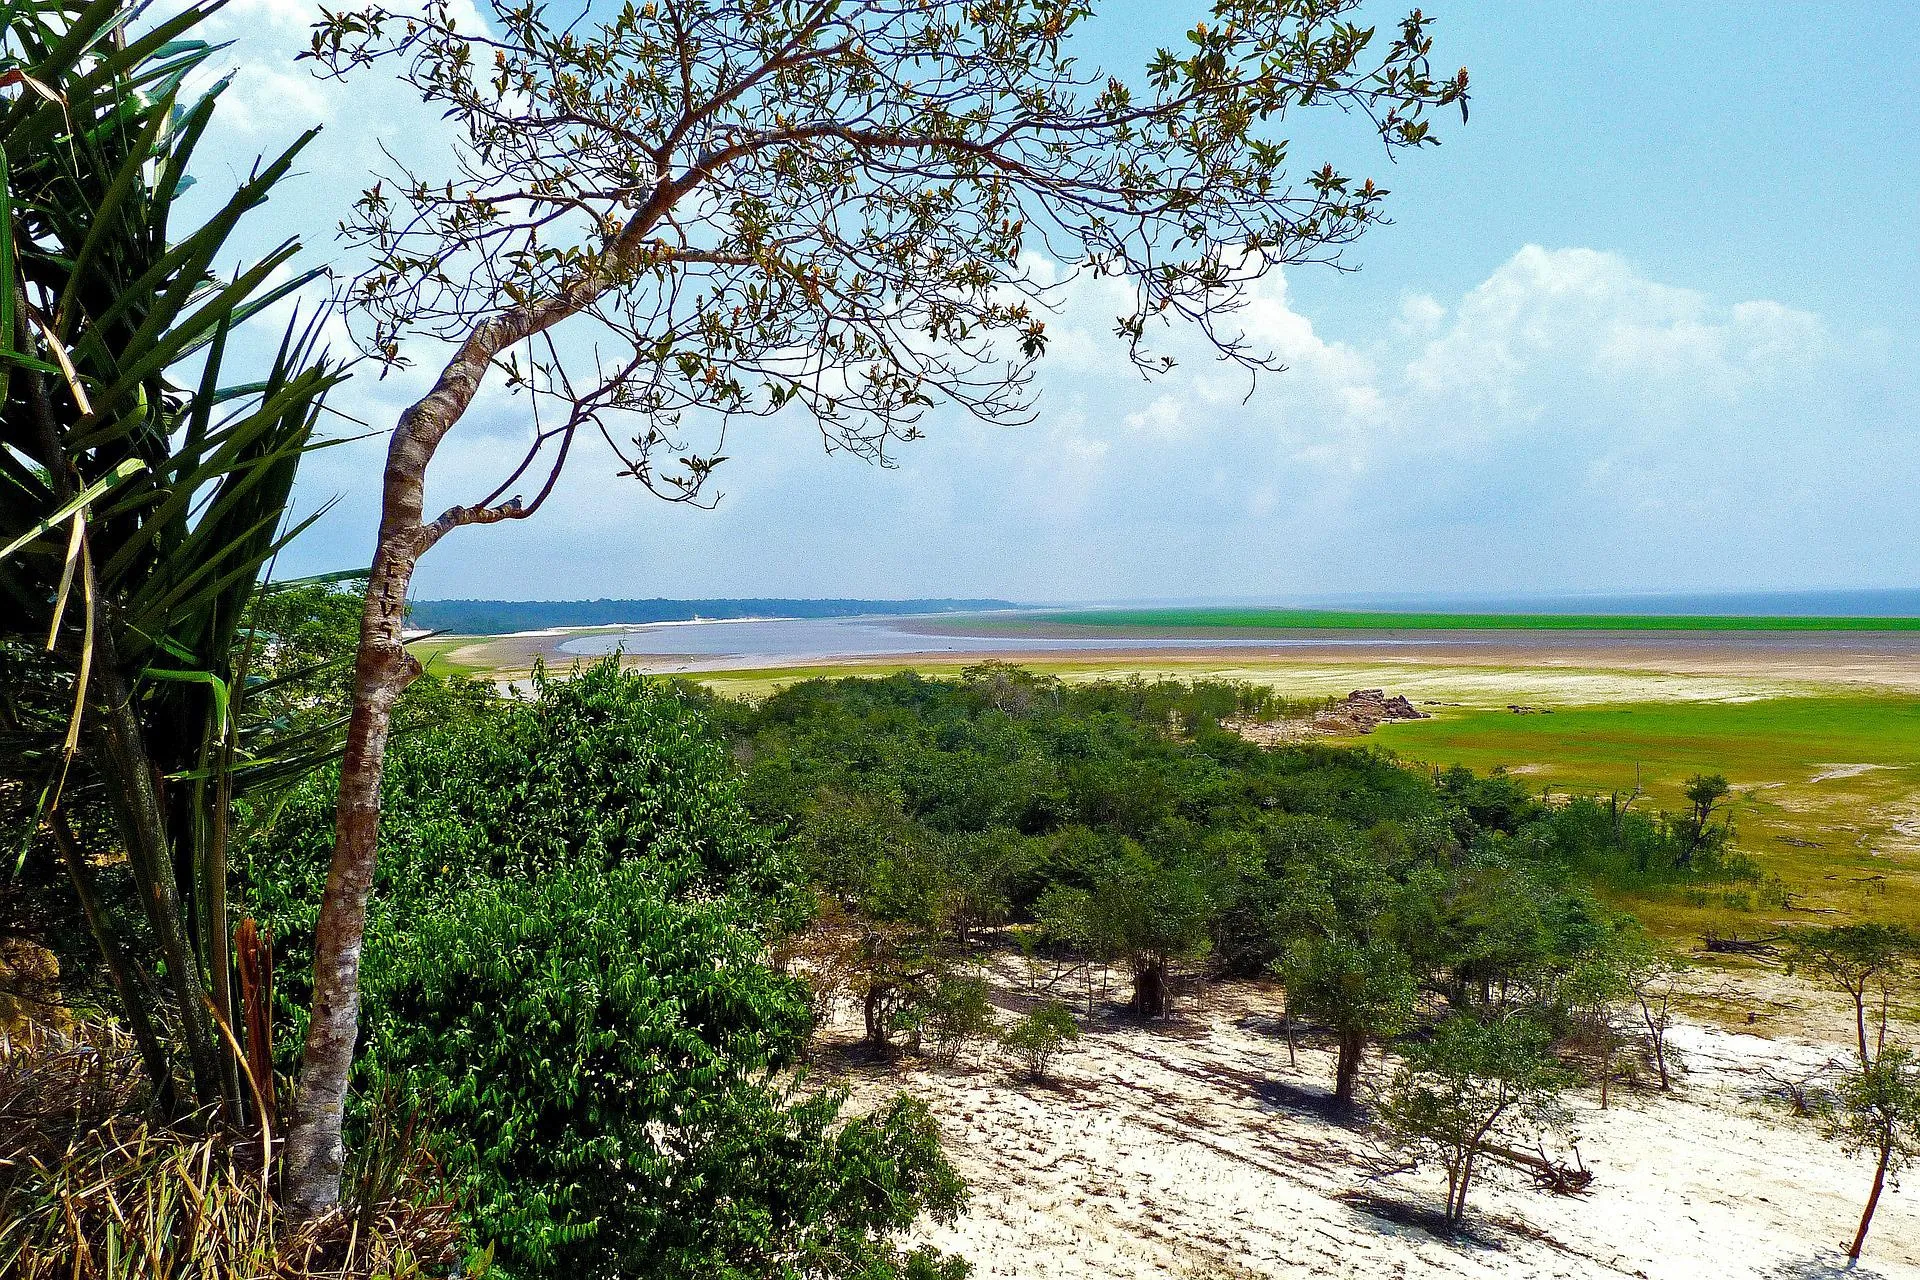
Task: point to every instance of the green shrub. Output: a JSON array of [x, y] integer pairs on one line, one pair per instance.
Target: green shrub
[[1037, 1039], [599, 769], [958, 1017], [565, 959], [603, 1055]]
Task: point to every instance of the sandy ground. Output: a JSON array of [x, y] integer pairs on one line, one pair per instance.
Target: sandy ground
[[1862, 660], [1563, 667], [1458, 679], [1196, 1150]]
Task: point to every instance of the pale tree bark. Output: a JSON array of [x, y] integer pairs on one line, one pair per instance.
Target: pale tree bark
[[315, 1154]]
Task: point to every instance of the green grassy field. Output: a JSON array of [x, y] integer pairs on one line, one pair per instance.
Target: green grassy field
[[1827, 789], [1343, 620], [438, 656]]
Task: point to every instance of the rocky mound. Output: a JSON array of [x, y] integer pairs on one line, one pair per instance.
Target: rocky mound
[[1363, 709], [1358, 712]]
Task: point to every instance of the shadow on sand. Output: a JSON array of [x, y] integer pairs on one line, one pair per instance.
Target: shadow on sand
[[1318, 1103], [1824, 1266], [1399, 1213]]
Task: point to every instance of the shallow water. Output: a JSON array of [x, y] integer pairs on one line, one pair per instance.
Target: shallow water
[[779, 641], [792, 641]]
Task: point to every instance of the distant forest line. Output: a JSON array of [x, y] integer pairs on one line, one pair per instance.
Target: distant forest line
[[502, 617]]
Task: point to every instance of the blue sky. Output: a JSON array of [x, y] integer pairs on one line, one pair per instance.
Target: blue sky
[[1648, 322]]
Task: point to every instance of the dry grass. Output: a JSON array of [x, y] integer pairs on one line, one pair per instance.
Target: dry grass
[[92, 1189]]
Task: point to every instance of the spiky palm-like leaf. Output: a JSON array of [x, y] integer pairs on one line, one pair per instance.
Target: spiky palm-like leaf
[[138, 505]]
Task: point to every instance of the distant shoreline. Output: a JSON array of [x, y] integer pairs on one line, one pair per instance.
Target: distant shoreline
[[1253, 622], [522, 617]]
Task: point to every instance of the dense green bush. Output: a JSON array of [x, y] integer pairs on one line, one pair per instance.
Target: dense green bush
[[565, 963], [596, 770]]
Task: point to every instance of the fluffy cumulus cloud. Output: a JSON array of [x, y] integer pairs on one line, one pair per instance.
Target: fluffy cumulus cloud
[[1566, 424], [1546, 319]]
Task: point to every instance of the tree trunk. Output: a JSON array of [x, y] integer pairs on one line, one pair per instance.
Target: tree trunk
[[126, 982], [1657, 1040], [1150, 989], [1457, 1211], [1860, 1022], [315, 1154], [135, 801], [1873, 1202], [382, 670], [1346, 1069], [205, 829]]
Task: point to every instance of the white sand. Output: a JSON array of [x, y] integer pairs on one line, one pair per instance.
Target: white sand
[[1172, 1151], [1832, 771]]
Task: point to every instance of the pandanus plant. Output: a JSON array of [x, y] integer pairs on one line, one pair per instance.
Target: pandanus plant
[[143, 490]]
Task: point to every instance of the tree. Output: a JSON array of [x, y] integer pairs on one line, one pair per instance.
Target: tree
[[1145, 911], [1878, 1113], [1342, 963], [1863, 960], [958, 1016], [1037, 1039], [1650, 979], [1468, 1087], [687, 210], [890, 876], [1361, 989], [1704, 793], [137, 513], [982, 868]]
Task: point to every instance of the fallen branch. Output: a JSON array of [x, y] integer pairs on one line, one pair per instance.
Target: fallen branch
[[1739, 946], [1550, 1175]]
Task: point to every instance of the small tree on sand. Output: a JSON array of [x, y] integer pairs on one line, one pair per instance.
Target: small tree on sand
[[1363, 990], [1037, 1039], [656, 215], [1652, 979], [1875, 1107], [1343, 964], [1471, 1085], [1877, 1114], [1149, 913]]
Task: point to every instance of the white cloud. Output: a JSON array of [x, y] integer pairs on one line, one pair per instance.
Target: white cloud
[[1566, 423], [1549, 319]]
